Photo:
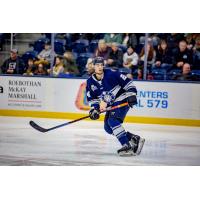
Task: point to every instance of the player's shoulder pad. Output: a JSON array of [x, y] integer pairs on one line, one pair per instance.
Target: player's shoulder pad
[[89, 80], [117, 74], [111, 72]]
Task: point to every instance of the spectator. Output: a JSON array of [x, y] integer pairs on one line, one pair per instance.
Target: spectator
[[89, 66], [196, 49], [172, 39], [130, 58], [163, 56], [190, 41], [182, 55], [103, 50], [151, 55], [129, 39], [70, 64], [115, 58], [46, 56], [30, 68], [113, 37], [58, 68], [186, 74], [41, 70], [14, 64]]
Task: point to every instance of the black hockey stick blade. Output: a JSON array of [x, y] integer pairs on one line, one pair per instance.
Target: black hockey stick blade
[[37, 127]]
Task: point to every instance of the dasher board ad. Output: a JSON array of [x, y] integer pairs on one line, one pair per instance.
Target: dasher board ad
[[155, 99]]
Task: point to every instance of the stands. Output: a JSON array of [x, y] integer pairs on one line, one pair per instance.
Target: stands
[[83, 48]]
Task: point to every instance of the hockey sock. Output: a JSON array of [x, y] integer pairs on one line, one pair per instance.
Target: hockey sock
[[120, 133], [129, 136]]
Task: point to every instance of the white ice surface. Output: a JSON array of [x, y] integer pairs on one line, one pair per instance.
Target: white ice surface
[[86, 143]]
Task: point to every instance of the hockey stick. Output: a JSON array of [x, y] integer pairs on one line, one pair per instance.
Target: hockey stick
[[43, 130]]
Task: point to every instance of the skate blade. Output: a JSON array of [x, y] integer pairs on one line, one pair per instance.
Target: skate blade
[[127, 154], [140, 146]]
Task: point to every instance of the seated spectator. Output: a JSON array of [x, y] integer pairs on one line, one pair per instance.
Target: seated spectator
[[30, 68], [40, 70], [89, 66], [186, 74], [46, 56], [113, 37], [129, 39], [58, 68], [182, 55], [130, 58], [70, 66], [190, 41], [140, 73], [103, 50], [151, 55], [115, 57], [196, 63], [163, 56], [173, 39], [14, 64]]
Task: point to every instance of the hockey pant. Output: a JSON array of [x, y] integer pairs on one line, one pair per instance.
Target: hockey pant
[[113, 124]]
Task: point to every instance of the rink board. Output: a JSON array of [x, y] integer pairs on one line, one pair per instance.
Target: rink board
[[158, 102]]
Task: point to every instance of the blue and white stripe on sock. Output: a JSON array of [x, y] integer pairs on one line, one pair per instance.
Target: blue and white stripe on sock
[[120, 133]]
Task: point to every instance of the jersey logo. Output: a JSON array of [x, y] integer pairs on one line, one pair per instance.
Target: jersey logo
[[93, 88], [108, 97]]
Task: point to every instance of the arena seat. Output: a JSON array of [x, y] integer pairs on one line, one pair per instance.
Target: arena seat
[[159, 74], [125, 70], [196, 73], [59, 46], [81, 61], [29, 54], [99, 36], [39, 44], [172, 73], [122, 47], [138, 48], [93, 46], [80, 46]]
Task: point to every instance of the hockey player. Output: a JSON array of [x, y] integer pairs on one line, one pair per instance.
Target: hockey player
[[110, 88]]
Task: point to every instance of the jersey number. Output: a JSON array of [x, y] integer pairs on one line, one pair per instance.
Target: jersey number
[[123, 77]]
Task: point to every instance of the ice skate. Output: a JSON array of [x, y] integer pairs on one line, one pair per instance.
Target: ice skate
[[126, 150], [137, 143]]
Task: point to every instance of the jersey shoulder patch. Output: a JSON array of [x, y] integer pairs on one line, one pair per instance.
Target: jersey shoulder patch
[[122, 76]]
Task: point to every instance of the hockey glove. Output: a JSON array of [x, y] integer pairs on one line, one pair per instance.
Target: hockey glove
[[132, 100], [94, 114]]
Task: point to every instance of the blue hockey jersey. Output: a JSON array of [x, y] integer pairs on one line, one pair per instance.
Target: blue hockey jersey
[[114, 88]]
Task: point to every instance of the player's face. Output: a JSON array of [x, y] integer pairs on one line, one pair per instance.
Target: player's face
[[98, 68]]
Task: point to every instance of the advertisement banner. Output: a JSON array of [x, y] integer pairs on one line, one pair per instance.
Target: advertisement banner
[[155, 99]]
